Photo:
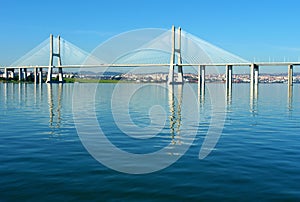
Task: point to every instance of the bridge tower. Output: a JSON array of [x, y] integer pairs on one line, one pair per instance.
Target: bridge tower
[[52, 55], [175, 52]]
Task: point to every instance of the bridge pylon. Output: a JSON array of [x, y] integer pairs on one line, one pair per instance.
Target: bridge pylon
[[52, 55], [175, 52]]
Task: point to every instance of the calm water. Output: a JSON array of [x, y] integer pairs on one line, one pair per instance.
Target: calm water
[[257, 155]]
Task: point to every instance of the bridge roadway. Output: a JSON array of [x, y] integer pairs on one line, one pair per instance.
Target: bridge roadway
[[254, 70], [159, 65]]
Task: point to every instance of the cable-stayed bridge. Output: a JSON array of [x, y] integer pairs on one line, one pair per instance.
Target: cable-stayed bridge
[[164, 48]]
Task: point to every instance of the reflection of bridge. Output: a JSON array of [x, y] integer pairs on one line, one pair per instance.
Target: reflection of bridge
[[189, 51]]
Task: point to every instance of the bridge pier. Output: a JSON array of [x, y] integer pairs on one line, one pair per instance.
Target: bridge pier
[[12, 73], [20, 74], [256, 74], [40, 75], [254, 69], [172, 59], [6, 73], [35, 75], [171, 74], [290, 75], [201, 81], [49, 75], [228, 77], [177, 51], [52, 54], [254, 81], [201, 78], [60, 70], [180, 75], [60, 75], [25, 74], [180, 71]]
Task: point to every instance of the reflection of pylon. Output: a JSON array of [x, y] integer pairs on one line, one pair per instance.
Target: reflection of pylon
[[179, 59], [52, 54]]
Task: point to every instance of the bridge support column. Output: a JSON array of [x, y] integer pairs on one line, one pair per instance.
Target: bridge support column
[[202, 69], [25, 74], [180, 75], [199, 76], [6, 73], [49, 75], [52, 54], [171, 74], [12, 73], [172, 60], [179, 59], [201, 82], [60, 70], [254, 75], [35, 75], [228, 77], [290, 75], [40, 75], [20, 74], [60, 75], [254, 81]]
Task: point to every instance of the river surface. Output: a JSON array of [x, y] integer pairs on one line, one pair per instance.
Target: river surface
[[157, 143]]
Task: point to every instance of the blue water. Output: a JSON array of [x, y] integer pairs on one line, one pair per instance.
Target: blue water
[[257, 156]]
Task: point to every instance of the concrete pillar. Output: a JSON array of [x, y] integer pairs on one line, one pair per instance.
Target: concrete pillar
[[252, 75], [20, 74], [60, 71], [180, 75], [228, 77], [202, 69], [171, 74], [60, 75], [172, 59], [12, 73], [256, 73], [6, 73], [254, 82], [49, 75], [290, 75], [199, 76], [35, 75], [25, 74], [199, 91], [290, 86], [179, 59], [40, 75]]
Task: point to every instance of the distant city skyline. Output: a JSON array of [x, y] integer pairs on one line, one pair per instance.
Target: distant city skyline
[[254, 30]]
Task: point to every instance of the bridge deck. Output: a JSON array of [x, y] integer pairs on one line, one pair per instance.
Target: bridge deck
[[162, 65]]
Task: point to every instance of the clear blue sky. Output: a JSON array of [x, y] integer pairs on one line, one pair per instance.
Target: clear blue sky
[[260, 29]]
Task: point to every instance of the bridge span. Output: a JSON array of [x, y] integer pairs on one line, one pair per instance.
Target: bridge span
[[176, 60]]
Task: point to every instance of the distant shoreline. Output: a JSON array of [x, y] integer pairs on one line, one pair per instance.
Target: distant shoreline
[[109, 81]]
